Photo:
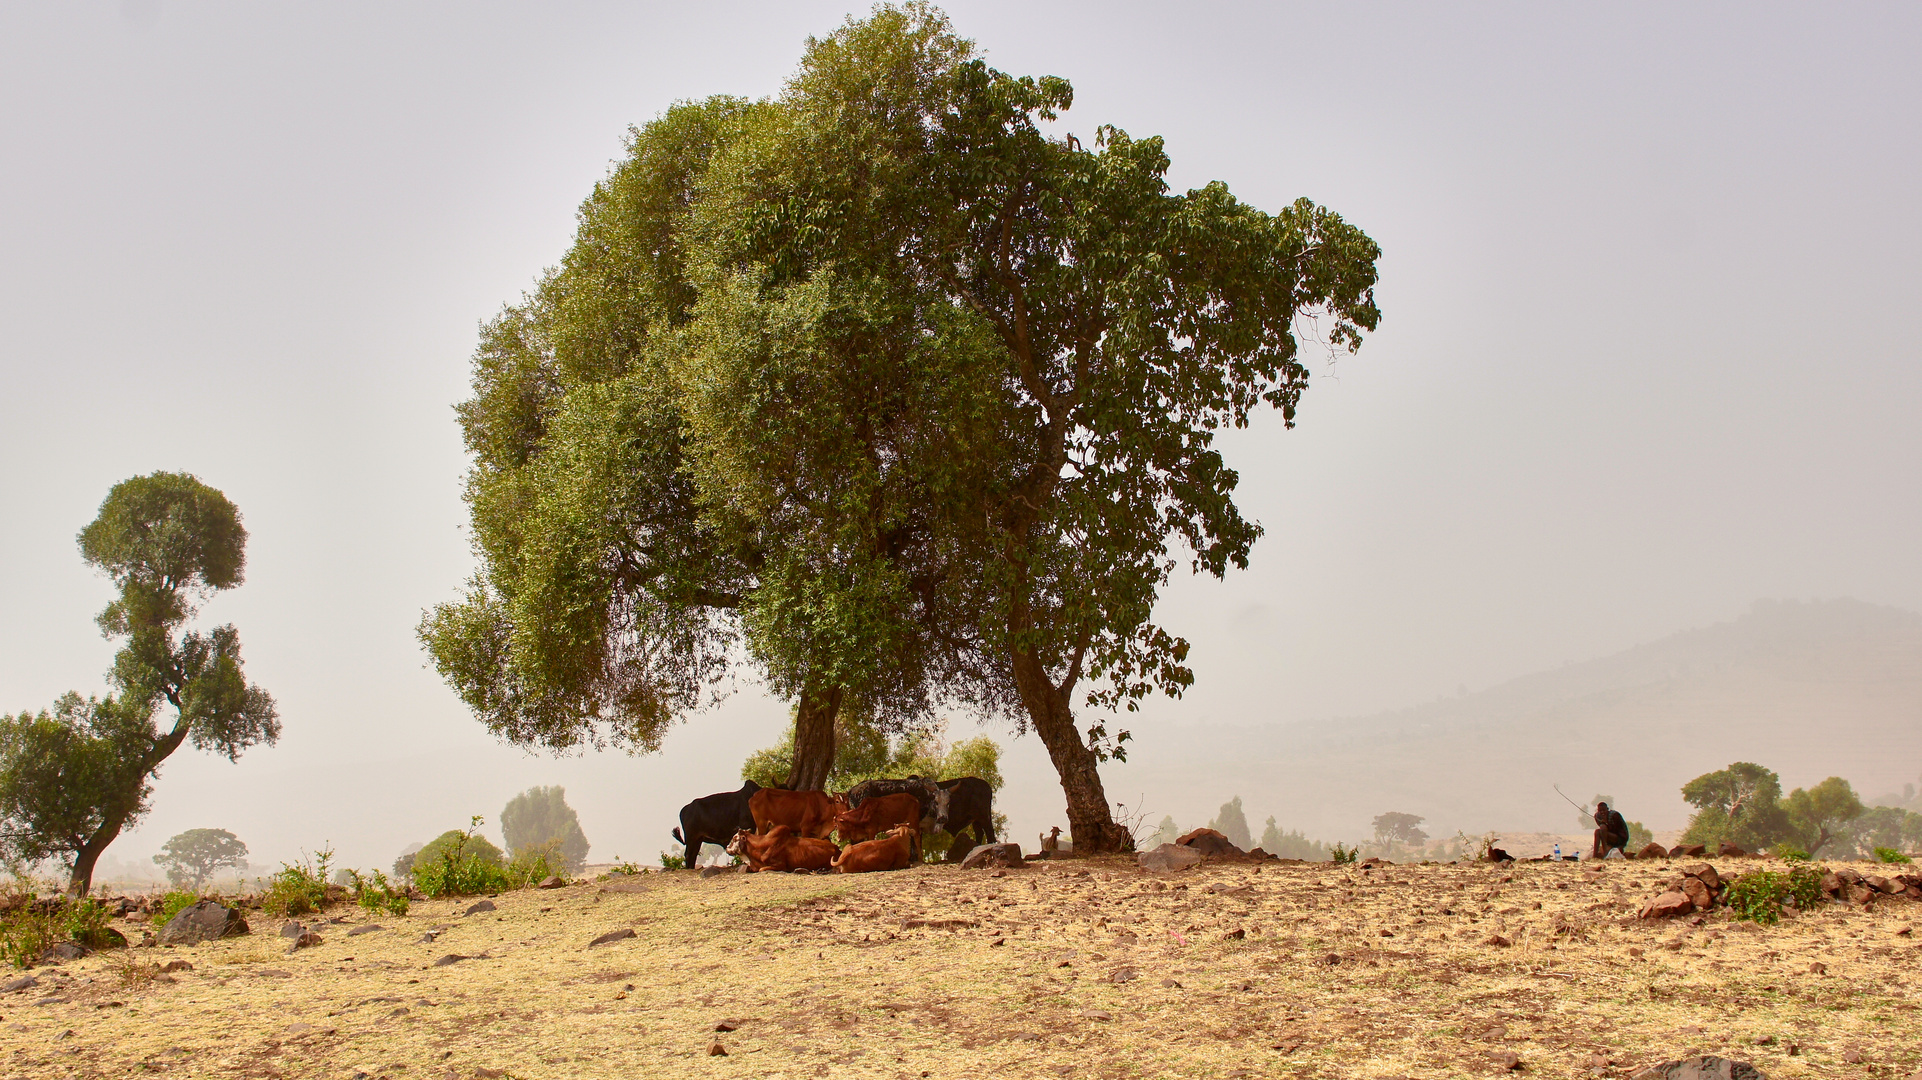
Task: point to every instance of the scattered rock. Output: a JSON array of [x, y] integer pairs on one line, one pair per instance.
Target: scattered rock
[[726, 1025], [1669, 904], [1731, 851], [1208, 842], [1818, 968], [552, 881], [1705, 1067], [66, 950], [1652, 851], [484, 905], [24, 982], [370, 928], [1694, 851], [1095, 1014], [1705, 874], [1506, 1060], [1498, 941], [306, 940], [206, 921], [715, 871], [172, 966], [451, 959], [984, 856], [1698, 893], [1237, 934], [715, 1049], [611, 937], [1122, 975], [489, 1074], [1169, 858]]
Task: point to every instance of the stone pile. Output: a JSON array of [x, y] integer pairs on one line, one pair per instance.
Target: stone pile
[[1699, 889], [1862, 889]]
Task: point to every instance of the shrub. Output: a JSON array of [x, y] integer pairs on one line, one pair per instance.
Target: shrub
[[298, 888], [1890, 855], [1760, 895], [460, 864], [1340, 854], [668, 862], [374, 893], [86, 923], [1789, 853], [173, 904], [27, 933]]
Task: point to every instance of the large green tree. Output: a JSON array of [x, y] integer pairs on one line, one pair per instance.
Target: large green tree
[[1741, 804], [192, 857], [71, 780], [1821, 813], [540, 816]]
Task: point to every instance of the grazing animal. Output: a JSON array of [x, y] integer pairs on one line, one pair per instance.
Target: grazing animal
[[780, 849], [806, 813], [970, 807], [878, 814], [1051, 843], [711, 819], [891, 852]]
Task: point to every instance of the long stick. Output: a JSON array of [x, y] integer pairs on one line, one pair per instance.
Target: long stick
[[1571, 802]]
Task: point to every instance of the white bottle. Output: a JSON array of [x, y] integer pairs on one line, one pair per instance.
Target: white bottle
[[1558, 852]]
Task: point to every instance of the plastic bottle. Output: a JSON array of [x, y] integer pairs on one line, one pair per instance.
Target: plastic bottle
[[1558, 852]]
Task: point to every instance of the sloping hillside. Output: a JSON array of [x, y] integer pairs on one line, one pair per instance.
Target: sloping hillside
[[1809, 689]]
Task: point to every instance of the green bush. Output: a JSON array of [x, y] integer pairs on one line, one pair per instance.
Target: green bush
[[86, 923], [26, 934], [298, 888], [1789, 853], [374, 893], [1758, 896], [1890, 855], [173, 904], [1340, 854], [668, 862], [462, 864]]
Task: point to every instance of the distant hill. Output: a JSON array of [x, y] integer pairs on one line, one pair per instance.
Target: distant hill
[[1810, 689]]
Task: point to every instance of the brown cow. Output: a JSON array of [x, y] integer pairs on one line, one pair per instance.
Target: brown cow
[[895, 851], [880, 813], [807, 813], [780, 849]]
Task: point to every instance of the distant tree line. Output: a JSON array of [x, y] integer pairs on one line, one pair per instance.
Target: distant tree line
[[1743, 804]]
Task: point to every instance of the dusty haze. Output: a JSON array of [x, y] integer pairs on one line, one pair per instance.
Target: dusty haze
[[1648, 356]]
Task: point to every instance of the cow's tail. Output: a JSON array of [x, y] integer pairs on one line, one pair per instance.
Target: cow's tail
[[677, 835]]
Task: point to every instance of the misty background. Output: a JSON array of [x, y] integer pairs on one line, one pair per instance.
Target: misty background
[[1648, 357]]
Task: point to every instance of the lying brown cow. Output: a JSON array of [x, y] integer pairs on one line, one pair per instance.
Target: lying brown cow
[[780, 849], [879, 814], [895, 851], [806, 813]]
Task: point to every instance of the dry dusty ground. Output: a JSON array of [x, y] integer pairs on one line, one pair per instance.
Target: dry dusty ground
[[1338, 972]]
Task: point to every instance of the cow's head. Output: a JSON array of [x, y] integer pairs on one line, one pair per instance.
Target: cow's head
[[737, 846], [938, 807]]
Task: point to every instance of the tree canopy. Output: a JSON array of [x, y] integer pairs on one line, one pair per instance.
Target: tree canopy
[[1741, 804], [887, 390], [72, 779], [540, 816], [1232, 823], [192, 857]]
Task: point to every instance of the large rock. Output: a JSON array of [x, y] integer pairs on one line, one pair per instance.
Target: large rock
[[1652, 851], [1731, 851], [208, 920], [1704, 873], [1698, 893], [985, 855], [1668, 905], [1209, 842], [1168, 858], [1702, 1068], [1695, 851]]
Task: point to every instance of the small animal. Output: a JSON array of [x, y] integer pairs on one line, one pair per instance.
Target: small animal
[[1051, 843]]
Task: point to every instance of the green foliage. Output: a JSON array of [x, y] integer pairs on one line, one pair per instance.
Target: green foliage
[[1340, 854], [864, 751], [86, 923], [1817, 815], [458, 863], [1639, 836], [1882, 827], [26, 934], [373, 892], [540, 816], [1890, 855], [1233, 824], [173, 904], [885, 388], [404, 863], [1759, 896], [298, 888], [1788, 852], [72, 780], [668, 862], [1741, 804]]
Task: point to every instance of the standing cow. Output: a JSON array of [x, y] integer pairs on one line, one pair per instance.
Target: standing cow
[[971, 807], [878, 815], [932, 797], [807, 813], [714, 819]]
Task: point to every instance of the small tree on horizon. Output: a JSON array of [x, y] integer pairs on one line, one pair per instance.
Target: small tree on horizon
[[540, 816], [1232, 823], [1819, 814], [1394, 831], [191, 857]]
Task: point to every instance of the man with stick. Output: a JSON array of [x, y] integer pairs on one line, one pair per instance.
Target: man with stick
[[1611, 832]]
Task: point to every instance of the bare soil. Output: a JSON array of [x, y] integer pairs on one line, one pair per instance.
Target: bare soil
[[1081, 968]]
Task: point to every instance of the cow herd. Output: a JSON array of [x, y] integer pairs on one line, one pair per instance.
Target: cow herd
[[880, 822]]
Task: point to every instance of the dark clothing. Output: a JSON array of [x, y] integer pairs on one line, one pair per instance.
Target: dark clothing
[[1611, 832]]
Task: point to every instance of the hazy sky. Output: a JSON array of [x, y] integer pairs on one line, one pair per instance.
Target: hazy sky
[[1650, 294]]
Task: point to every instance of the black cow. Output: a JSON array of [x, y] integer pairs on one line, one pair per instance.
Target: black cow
[[970, 806], [714, 819]]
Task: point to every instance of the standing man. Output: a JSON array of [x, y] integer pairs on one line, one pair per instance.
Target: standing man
[[1611, 832]]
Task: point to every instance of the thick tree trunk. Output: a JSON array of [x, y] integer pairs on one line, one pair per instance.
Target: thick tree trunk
[[1090, 822], [84, 860], [814, 739]]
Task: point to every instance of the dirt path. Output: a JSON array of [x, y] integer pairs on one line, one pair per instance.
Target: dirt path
[[1081, 968]]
